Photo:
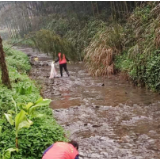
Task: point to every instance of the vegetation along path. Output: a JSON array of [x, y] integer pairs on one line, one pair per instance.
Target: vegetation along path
[[109, 119]]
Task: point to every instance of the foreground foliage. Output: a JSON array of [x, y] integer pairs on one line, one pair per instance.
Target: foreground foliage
[[21, 104]]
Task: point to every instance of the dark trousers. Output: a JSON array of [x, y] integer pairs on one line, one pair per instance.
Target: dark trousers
[[61, 66]]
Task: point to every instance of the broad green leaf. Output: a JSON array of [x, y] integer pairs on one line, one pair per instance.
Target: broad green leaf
[[37, 115], [39, 100], [14, 102], [12, 149], [29, 90], [10, 112], [45, 102], [25, 124], [28, 106], [15, 105], [7, 154], [19, 118], [9, 118]]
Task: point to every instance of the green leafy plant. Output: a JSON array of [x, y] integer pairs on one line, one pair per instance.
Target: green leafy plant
[[17, 59], [7, 153], [24, 88], [30, 107], [42, 133], [20, 121]]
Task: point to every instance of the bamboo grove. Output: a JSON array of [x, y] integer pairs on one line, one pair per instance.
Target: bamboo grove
[[23, 17]]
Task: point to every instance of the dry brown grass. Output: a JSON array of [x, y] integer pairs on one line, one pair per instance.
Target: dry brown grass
[[156, 10], [99, 55], [157, 38], [124, 76], [110, 69], [101, 62]]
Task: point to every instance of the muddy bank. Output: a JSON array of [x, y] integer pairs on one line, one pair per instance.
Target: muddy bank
[[109, 118]]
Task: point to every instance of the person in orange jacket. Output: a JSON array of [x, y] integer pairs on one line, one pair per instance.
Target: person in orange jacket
[[62, 150], [62, 63]]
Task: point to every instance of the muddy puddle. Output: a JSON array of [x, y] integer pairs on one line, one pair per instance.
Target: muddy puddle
[[109, 118]]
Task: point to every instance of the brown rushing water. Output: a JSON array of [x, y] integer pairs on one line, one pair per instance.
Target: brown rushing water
[[116, 120]]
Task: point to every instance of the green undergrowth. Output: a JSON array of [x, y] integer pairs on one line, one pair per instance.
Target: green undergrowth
[[132, 47], [16, 60], [25, 42], [141, 55], [43, 132]]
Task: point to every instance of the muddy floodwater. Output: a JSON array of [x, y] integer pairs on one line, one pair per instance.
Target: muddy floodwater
[[109, 118]]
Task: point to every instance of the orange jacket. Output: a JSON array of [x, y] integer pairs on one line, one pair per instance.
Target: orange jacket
[[63, 60], [61, 150]]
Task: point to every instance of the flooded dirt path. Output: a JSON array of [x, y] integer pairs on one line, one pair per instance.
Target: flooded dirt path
[[109, 118]]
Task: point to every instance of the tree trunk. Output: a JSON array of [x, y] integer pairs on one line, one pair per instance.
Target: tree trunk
[[4, 76]]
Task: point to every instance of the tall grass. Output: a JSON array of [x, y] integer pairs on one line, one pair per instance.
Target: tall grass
[[101, 51]]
